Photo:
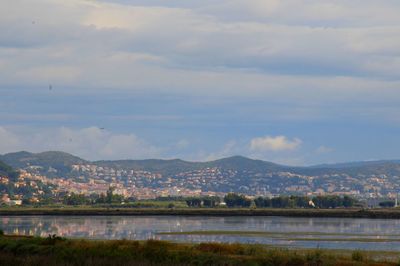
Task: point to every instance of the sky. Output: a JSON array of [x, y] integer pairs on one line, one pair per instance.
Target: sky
[[296, 82]]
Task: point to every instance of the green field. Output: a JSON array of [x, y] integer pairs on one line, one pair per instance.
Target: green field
[[59, 251]]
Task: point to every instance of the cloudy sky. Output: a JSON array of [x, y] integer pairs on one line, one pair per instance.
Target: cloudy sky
[[296, 82]]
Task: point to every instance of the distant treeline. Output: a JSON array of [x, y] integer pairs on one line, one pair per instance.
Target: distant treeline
[[325, 202], [231, 200], [329, 201], [81, 199]]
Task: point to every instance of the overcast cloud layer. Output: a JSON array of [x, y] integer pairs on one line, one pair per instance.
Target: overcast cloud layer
[[295, 82]]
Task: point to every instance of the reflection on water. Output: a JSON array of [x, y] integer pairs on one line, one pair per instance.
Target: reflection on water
[[145, 227]]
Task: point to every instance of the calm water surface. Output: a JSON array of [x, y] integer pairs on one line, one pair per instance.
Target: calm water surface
[[346, 233]]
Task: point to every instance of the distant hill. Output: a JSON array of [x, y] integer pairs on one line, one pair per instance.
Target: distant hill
[[171, 167], [241, 163], [237, 173], [355, 164], [386, 167], [61, 162], [165, 167]]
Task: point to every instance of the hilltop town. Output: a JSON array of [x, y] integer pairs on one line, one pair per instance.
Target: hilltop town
[[38, 182]]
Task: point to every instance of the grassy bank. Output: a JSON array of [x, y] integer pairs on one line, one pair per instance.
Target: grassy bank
[[268, 234], [59, 251], [346, 213]]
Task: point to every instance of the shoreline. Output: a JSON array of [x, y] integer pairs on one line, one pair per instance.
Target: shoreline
[[323, 213]]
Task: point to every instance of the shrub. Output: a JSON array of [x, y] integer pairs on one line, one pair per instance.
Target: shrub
[[237, 200], [157, 251], [221, 248], [53, 239], [315, 258], [296, 260], [357, 256]]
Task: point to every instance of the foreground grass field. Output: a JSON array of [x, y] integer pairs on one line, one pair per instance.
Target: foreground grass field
[[59, 251], [391, 213]]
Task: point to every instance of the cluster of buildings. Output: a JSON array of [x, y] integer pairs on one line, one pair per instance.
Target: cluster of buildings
[[93, 179], [143, 184], [27, 185]]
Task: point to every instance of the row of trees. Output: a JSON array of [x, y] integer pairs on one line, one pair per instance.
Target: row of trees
[[81, 199], [232, 200], [387, 204], [237, 200], [203, 201], [324, 202]]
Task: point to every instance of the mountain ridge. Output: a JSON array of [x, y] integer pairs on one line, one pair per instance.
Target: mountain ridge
[[237, 173], [62, 162]]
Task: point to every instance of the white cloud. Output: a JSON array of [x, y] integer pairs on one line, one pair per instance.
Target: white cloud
[[304, 60], [137, 18], [278, 143], [191, 47], [61, 74], [310, 12], [229, 149], [182, 144], [8, 141], [90, 143], [128, 146], [93, 143], [323, 149]]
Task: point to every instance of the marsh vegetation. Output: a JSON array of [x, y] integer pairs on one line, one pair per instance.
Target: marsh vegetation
[[54, 250]]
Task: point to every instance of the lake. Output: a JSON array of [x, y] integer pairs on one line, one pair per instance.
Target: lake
[[330, 233]]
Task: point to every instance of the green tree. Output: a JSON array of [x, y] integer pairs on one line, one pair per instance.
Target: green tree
[[211, 201], [236, 200], [109, 195], [387, 204], [280, 202], [329, 201], [193, 202], [348, 201], [261, 202], [75, 199], [301, 201], [102, 199]]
